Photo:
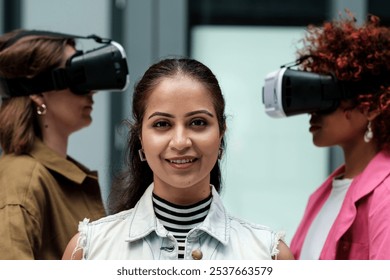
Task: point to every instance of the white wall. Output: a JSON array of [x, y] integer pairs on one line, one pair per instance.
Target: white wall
[[270, 166]]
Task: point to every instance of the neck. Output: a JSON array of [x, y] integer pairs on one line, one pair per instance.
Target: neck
[[182, 196], [57, 143], [357, 158], [54, 137]]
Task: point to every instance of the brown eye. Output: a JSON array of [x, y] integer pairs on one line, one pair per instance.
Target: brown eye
[[161, 124], [198, 122]]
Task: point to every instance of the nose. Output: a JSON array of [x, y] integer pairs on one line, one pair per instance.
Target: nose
[[180, 139], [89, 96]]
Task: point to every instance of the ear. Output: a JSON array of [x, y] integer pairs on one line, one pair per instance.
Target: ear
[[371, 115], [38, 99], [222, 133]]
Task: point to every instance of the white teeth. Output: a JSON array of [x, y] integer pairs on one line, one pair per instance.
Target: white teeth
[[181, 161]]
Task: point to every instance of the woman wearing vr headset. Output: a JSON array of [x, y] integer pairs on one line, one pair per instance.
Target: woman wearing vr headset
[[169, 207], [347, 217], [43, 192]]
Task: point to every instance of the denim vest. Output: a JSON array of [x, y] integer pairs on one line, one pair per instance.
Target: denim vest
[[137, 234]]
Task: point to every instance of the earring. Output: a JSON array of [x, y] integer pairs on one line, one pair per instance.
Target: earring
[[41, 109], [220, 153], [141, 154], [368, 135]]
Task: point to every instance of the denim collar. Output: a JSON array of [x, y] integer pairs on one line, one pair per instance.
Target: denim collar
[[144, 220]]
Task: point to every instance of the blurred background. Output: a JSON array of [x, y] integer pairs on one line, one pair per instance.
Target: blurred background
[[270, 166]]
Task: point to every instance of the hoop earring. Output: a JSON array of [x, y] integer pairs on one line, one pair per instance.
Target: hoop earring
[[41, 109], [220, 153], [368, 135], [141, 154]]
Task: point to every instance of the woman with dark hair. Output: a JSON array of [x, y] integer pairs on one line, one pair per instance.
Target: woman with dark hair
[[170, 207], [43, 192], [347, 217]]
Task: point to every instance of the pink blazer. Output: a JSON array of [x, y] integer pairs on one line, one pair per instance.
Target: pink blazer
[[361, 230]]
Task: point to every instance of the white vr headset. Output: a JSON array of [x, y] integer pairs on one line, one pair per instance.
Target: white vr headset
[[288, 92]]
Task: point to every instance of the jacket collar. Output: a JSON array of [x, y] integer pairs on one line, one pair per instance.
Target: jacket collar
[[144, 220], [373, 175], [67, 167], [375, 172]]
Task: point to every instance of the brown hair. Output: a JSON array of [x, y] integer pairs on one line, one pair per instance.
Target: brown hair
[[356, 54], [27, 57]]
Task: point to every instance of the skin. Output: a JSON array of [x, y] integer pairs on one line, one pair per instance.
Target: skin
[[345, 128], [66, 113], [181, 141], [176, 131]]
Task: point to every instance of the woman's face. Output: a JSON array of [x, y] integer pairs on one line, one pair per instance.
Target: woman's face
[[66, 111], [181, 138], [343, 127]]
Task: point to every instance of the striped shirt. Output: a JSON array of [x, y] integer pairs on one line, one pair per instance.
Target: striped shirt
[[179, 220]]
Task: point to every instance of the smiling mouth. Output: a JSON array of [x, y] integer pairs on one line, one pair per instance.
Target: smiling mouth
[[181, 161]]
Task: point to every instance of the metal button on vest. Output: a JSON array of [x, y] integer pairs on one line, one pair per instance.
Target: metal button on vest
[[197, 254]]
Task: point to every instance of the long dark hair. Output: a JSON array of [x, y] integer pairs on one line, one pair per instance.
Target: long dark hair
[[129, 185]]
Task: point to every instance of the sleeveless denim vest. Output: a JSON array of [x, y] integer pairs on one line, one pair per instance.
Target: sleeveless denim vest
[[137, 234]]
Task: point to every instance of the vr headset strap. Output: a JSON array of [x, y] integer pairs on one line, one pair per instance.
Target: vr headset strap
[[46, 81], [42, 33]]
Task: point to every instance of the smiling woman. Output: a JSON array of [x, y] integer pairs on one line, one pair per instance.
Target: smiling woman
[[170, 206], [181, 139]]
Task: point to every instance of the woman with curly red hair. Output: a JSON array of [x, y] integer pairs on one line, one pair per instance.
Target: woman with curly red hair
[[347, 217]]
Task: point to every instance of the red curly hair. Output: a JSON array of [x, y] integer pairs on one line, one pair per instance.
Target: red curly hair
[[356, 54]]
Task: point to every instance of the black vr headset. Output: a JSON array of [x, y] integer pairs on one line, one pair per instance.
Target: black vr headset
[[288, 92], [103, 68]]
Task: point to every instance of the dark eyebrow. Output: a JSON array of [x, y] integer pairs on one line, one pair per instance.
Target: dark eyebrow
[[161, 114], [187, 115], [199, 112]]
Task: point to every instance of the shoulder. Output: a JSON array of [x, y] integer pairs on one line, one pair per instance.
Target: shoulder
[[380, 196], [284, 252], [374, 181], [19, 166], [71, 251], [240, 223], [245, 230], [255, 233], [106, 224], [20, 176], [9, 161], [98, 234]]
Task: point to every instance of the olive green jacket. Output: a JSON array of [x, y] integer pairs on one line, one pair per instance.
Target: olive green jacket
[[42, 198]]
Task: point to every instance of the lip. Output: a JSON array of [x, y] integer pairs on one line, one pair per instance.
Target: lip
[[181, 162], [314, 127]]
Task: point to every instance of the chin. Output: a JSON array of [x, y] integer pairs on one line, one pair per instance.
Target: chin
[[87, 121], [83, 124], [320, 144]]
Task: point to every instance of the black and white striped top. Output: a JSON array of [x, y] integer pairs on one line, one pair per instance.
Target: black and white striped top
[[179, 220]]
